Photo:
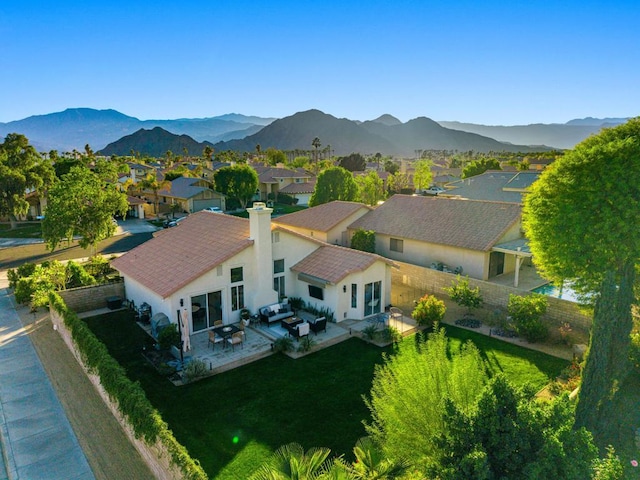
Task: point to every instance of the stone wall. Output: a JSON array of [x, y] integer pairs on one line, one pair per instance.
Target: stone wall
[[412, 281], [86, 299]]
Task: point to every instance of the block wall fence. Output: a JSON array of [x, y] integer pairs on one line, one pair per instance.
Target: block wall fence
[[415, 281], [94, 297]]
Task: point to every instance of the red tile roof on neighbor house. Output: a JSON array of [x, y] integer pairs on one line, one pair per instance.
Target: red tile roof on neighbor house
[[332, 263], [293, 188], [321, 218], [177, 256], [471, 224]]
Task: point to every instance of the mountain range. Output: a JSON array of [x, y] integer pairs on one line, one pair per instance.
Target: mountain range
[[112, 132]]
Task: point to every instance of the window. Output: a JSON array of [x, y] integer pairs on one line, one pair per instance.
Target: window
[[275, 237], [237, 297], [396, 245], [278, 266], [236, 275], [354, 295], [316, 292], [206, 309], [237, 291]]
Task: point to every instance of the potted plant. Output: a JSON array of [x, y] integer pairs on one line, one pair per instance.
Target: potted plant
[[245, 314]]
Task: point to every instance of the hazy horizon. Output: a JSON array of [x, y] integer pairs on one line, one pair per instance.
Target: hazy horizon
[[489, 63]]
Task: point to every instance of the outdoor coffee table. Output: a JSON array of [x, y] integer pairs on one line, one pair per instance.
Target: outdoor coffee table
[[289, 323]]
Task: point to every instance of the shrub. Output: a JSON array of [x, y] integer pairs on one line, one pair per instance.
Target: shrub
[[635, 351], [526, 314], [283, 344], [24, 270], [364, 240], [196, 368], [77, 276], [429, 310], [169, 336], [371, 332], [306, 344], [463, 295], [391, 334]]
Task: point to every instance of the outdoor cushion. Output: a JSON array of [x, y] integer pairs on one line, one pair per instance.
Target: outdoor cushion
[[272, 313]]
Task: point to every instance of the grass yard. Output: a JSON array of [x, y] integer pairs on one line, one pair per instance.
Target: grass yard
[[22, 230], [232, 421]]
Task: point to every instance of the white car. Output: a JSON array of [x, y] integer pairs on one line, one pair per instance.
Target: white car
[[433, 190], [213, 209]]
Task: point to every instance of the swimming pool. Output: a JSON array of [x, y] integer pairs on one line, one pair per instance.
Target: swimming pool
[[566, 293]]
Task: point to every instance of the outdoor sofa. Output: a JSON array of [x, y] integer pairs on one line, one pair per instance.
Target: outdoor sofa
[[275, 312]]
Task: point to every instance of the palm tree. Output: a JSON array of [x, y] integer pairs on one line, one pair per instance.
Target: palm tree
[[151, 182], [316, 145], [291, 462], [371, 463]]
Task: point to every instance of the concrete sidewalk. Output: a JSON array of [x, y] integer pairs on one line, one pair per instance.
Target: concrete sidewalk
[[36, 437]]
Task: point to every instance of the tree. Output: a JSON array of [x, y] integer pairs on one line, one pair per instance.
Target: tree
[[334, 183], [465, 296], [22, 170], [397, 182], [407, 392], [391, 166], [354, 162], [480, 166], [82, 204], [526, 314], [291, 462], [239, 182], [364, 240], [316, 144], [371, 188], [207, 152], [422, 174], [508, 434], [581, 219], [151, 182], [275, 156], [429, 311]]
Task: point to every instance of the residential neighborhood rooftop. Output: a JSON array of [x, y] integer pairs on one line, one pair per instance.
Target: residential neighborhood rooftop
[[321, 217], [496, 186], [471, 224]]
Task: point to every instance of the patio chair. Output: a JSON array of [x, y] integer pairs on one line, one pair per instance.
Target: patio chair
[[213, 339], [300, 330], [318, 325], [244, 323], [235, 339], [217, 323]]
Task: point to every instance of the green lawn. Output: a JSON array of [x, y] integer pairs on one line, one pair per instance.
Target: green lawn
[[233, 420], [23, 230]]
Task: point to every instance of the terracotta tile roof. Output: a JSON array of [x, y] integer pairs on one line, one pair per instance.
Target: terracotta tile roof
[[332, 263], [306, 187], [472, 224], [321, 218], [185, 187], [177, 256], [135, 200]]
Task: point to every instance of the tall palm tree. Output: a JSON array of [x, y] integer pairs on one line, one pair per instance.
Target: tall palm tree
[[316, 145], [151, 182]]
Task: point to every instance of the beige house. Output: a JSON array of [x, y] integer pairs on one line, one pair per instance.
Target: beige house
[[273, 180], [192, 194], [215, 265], [476, 238], [327, 222]]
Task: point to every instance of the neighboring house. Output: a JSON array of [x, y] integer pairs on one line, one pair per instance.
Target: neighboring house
[[271, 180], [37, 205], [137, 172], [192, 194], [327, 222], [477, 238], [494, 185], [136, 207], [300, 191], [215, 265]]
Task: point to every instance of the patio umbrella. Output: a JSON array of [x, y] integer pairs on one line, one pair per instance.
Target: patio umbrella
[[185, 337]]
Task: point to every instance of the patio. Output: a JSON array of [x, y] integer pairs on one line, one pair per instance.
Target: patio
[[259, 339]]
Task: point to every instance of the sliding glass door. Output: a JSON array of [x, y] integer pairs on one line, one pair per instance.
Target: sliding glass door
[[205, 310], [372, 300]]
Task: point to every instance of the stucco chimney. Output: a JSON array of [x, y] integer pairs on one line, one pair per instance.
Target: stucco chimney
[[260, 233]]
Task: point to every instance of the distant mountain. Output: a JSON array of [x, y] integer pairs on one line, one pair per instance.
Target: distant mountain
[[346, 136], [387, 119], [561, 136], [76, 127], [154, 143]]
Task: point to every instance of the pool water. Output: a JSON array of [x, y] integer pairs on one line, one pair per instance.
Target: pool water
[[553, 291]]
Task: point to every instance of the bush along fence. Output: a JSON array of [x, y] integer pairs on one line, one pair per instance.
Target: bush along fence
[[166, 457]]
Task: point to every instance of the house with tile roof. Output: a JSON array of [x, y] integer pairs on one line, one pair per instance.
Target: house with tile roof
[[327, 222], [494, 185], [192, 194], [449, 234], [272, 180], [215, 265]]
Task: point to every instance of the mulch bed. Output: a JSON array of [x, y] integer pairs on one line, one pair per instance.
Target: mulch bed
[[468, 322]]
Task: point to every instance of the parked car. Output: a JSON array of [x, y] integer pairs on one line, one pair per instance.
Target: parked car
[[433, 190], [172, 222], [213, 209]]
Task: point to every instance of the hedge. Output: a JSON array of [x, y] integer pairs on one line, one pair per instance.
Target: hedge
[[129, 396]]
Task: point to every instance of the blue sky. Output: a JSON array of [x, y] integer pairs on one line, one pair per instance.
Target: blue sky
[[491, 62]]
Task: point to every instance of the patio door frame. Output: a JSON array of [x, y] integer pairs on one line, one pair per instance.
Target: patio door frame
[[213, 309], [372, 298]]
